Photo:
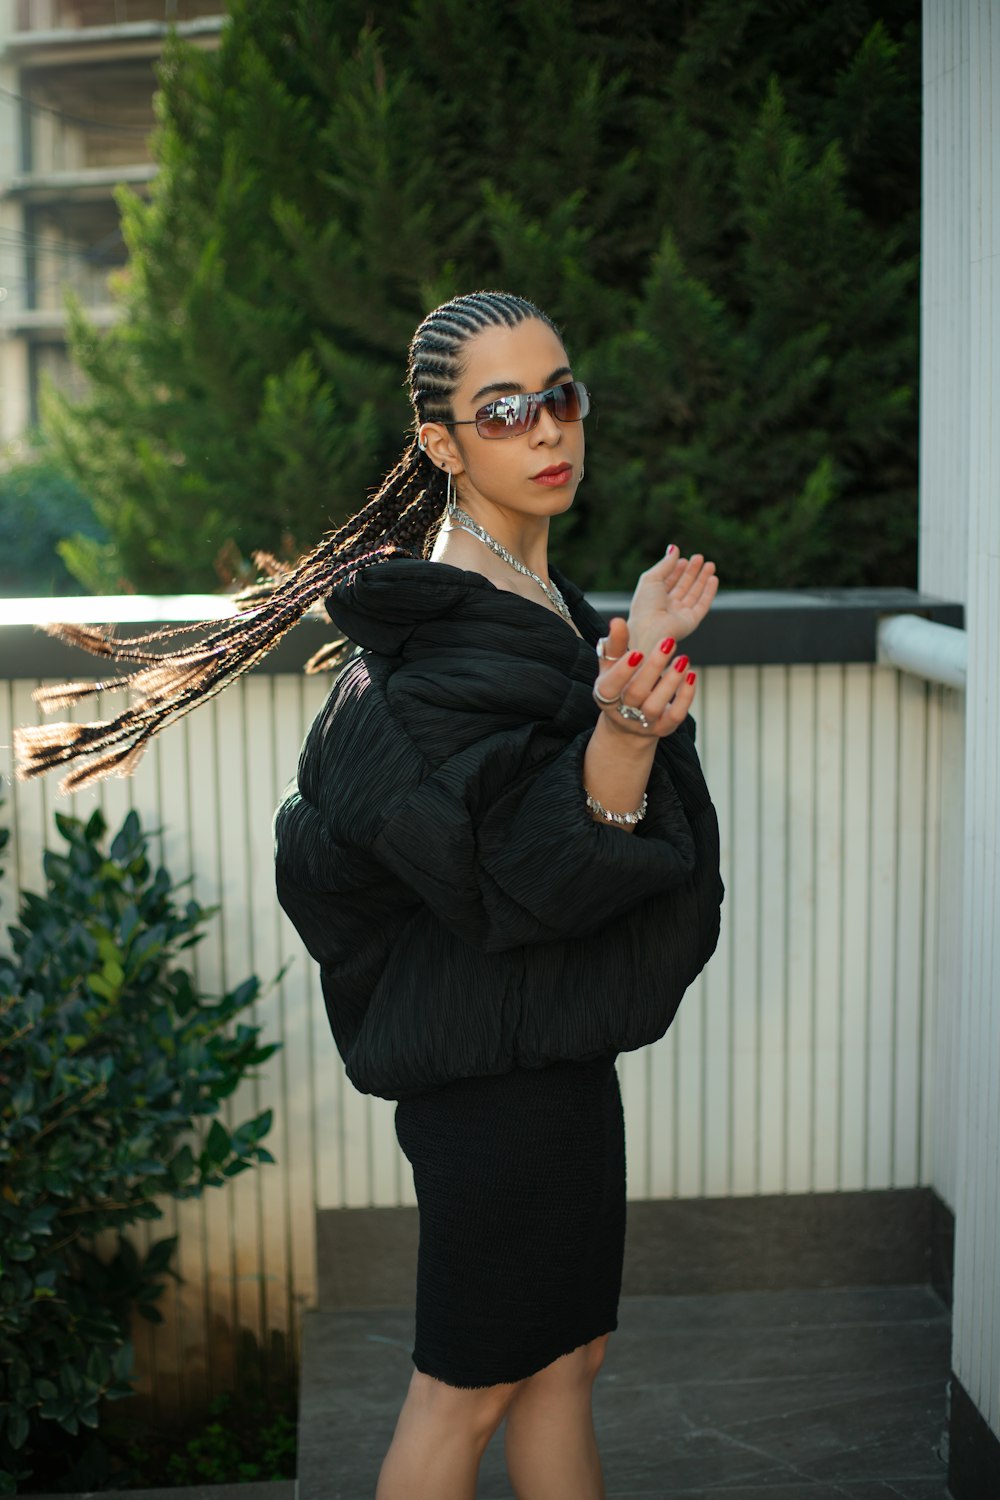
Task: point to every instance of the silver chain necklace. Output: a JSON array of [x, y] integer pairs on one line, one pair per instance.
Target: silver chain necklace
[[462, 518]]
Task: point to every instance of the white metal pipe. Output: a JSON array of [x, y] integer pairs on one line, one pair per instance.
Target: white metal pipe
[[938, 652]]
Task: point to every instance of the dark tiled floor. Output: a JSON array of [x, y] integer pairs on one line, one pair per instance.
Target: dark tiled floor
[[794, 1395]]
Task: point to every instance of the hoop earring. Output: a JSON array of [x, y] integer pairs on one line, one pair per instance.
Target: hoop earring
[[449, 501]]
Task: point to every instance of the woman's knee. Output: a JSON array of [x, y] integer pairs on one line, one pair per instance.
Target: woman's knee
[[596, 1352], [477, 1410], [579, 1367]]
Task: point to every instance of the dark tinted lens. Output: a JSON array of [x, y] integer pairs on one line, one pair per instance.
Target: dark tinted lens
[[570, 401], [508, 416]]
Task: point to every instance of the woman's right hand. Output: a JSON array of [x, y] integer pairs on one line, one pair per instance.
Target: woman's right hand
[[657, 684]]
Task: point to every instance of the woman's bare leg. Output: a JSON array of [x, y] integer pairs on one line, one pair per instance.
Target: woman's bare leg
[[441, 1435], [549, 1441]]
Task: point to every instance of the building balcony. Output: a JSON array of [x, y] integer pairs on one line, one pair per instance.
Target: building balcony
[[46, 323], [76, 182], [69, 44]]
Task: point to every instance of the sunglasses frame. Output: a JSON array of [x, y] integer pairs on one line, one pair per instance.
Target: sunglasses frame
[[538, 398]]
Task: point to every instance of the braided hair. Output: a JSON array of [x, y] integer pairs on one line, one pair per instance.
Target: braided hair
[[402, 518]]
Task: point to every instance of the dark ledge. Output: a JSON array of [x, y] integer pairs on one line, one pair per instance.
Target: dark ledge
[[745, 627]]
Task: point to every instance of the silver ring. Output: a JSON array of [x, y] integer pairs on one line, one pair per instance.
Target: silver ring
[[628, 712], [606, 702], [603, 654]]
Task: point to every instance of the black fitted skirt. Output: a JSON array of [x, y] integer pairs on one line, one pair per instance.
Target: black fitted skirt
[[520, 1182]]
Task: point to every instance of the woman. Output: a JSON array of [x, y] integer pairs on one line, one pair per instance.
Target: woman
[[502, 853]]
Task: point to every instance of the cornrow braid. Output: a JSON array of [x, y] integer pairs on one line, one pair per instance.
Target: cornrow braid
[[400, 519]]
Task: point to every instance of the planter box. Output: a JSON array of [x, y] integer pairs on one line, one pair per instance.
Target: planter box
[[278, 1489]]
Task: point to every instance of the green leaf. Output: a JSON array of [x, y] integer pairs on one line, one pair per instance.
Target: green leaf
[[159, 1255], [17, 1426], [217, 1144], [181, 1165], [127, 839], [100, 986], [96, 826]]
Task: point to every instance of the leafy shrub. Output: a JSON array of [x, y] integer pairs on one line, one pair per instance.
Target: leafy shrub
[[108, 1057], [40, 504], [236, 1447]]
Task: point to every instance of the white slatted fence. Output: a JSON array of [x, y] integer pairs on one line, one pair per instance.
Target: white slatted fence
[[800, 1060]]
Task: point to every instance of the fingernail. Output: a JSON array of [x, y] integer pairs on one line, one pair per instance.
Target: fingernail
[[635, 658], [681, 663], [671, 548], [691, 677], [668, 645]]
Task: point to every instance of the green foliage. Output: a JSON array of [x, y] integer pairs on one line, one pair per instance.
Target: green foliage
[[38, 506], [109, 1060], [719, 204], [229, 1449]]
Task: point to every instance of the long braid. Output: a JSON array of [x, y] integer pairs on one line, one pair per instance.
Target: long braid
[[400, 519]]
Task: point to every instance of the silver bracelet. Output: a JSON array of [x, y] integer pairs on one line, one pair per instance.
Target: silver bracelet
[[622, 819]]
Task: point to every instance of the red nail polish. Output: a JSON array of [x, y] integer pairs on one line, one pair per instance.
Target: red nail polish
[[691, 677], [681, 663], [635, 658], [668, 645]]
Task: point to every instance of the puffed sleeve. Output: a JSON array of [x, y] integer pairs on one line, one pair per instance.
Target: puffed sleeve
[[495, 838], [499, 842]]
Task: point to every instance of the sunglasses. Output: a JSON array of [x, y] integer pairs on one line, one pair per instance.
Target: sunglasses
[[514, 415]]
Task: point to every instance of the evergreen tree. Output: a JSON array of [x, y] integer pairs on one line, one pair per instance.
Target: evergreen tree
[[717, 202]]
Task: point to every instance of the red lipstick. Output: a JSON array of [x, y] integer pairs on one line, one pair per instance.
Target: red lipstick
[[554, 475]]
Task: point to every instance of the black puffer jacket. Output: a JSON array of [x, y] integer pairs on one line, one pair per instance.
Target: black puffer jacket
[[437, 856]]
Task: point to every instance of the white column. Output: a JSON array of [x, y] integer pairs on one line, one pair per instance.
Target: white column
[[976, 1349], [944, 501]]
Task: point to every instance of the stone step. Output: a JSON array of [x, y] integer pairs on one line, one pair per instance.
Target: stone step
[[366, 1257], [762, 1395]]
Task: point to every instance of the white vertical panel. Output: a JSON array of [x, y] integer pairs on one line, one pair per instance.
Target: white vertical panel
[[664, 1156], [930, 956], [717, 753], [772, 937], [241, 1200], [634, 1078], [687, 1036], [800, 882], [880, 1080], [209, 969], [689, 1027], [745, 919], [949, 970], [855, 874], [828, 1035], [290, 1181], [181, 1342], [906, 1041]]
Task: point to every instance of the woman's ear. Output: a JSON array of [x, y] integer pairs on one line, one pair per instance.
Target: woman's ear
[[434, 440]]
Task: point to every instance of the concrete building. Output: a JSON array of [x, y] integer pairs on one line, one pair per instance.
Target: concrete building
[[77, 79]]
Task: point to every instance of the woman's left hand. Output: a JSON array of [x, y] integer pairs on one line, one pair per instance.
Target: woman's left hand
[[671, 598]]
